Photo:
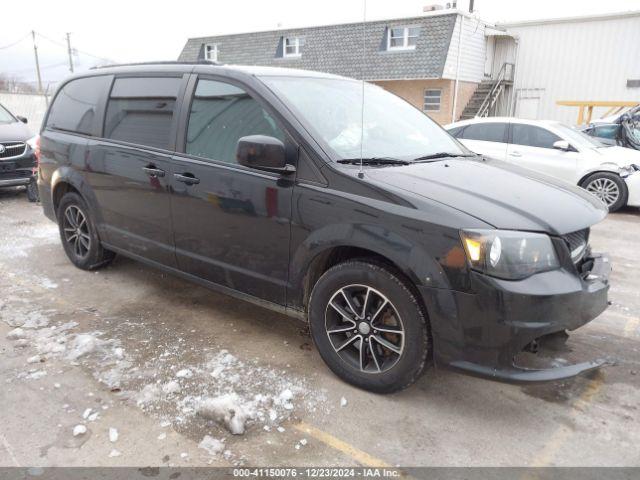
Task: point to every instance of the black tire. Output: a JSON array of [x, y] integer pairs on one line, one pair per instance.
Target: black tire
[[87, 254], [387, 371], [603, 179], [32, 191]]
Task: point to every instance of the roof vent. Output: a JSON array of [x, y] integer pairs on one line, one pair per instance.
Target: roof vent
[[432, 8]]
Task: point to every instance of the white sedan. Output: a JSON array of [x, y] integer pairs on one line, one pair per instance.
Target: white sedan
[[609, 172]]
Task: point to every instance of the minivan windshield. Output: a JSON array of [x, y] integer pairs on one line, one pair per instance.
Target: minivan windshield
[[332, 107], [5, 116]]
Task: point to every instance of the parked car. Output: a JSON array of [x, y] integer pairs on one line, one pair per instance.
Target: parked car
[[17, 159], [401, 251], [622, 130], [552, 148]]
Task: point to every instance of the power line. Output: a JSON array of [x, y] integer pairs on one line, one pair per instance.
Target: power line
[[15, 43], [62, 45]]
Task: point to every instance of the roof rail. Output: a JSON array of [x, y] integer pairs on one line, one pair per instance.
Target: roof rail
[[165, 62]]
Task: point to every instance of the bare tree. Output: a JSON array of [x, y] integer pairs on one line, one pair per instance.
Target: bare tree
[[15, 84]]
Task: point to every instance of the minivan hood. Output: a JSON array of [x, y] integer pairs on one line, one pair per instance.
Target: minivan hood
[[16, 131], [500, 194]]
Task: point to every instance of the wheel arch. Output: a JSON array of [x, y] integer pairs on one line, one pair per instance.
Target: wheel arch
[[600, 169], [66, 179], [314, 257]]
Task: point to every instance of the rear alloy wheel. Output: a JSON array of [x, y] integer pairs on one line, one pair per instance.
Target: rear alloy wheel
[[609, 188], [76, 231], [79, 235], [368, 326]]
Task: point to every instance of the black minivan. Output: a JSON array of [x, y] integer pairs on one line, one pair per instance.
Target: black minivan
[[284, 188]]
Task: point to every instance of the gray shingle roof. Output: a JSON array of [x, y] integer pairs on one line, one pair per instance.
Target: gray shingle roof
[[338, 49]]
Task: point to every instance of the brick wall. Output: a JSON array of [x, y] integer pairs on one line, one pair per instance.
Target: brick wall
[[413, 92]]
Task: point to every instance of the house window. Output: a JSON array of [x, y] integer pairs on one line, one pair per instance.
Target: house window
[[211, 52], [293, 46], [432, 100], [402, 38]]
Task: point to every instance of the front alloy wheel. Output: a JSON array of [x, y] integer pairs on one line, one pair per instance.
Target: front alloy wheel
[[605, 189], [364, 328], [609, 187], [369, 326]]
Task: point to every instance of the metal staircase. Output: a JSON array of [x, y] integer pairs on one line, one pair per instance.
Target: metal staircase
[[488, 93]]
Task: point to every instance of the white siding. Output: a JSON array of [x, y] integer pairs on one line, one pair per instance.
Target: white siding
[[473, 52], [576, 60]]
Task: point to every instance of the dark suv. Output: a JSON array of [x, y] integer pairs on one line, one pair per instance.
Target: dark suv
[[17, 157], [399, 246]]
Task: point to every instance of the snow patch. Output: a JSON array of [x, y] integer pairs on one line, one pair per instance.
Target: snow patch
[[212, 445], [171, 387], [228, 410], [184, 373]]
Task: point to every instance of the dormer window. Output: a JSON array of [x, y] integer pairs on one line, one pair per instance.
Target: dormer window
[[402, 38], [211, 52], [293, 46]]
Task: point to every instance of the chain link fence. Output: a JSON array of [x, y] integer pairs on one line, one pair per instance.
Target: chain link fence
[[32, 106]]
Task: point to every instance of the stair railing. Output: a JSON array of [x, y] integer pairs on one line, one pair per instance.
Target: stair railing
[[504, 75]]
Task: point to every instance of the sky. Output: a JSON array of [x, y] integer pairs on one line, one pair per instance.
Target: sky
[[128, 31]]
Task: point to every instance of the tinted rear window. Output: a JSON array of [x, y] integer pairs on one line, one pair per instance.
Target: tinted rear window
[[141, 109], [75, 106], [487, 132]]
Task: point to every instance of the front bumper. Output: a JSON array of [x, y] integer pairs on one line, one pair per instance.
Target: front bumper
[[17, 171], [633, 187], [481, 333]]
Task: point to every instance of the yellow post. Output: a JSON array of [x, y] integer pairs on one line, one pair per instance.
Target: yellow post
[[590, 105]]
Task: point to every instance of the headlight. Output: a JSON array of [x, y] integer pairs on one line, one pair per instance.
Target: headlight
[[509, 254], [628, 170]]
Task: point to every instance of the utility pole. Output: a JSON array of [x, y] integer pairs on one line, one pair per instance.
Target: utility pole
[[35, 52], [70, 51]]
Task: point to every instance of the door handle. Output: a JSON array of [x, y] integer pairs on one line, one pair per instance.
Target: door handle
[[187, 178], [515, 154], [153, 172]]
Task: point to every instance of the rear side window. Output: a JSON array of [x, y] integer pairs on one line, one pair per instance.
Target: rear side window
[[531, 136], [75, 106], [487, 132], [220, 115], [141, 109]]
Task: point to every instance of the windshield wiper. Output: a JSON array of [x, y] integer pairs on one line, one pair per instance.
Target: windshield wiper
[[435, 156], [375, 161]]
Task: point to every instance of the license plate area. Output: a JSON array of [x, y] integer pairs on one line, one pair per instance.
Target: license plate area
[[6, 167]]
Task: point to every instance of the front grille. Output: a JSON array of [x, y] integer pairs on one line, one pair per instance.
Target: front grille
[[577, 243], [12, 149]]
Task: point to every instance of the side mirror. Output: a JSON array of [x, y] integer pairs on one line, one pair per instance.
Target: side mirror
[[562, 145], [263, 153], [22, 119]]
